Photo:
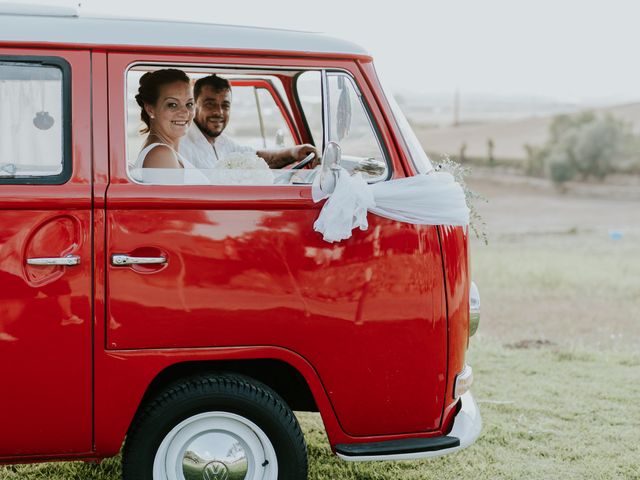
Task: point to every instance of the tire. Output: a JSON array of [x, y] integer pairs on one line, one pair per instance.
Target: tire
[[215, 427]]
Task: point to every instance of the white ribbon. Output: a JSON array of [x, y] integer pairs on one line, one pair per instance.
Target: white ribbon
[[426, 199]]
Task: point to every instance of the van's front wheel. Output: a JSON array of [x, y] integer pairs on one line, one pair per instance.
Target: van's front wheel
[[217, 427]]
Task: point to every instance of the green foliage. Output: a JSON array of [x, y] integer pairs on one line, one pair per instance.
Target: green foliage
[[560, 169], [585, 145], [459, 173], [534, 163]]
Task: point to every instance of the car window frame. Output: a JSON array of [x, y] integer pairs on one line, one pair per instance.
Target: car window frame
[[126, 192]]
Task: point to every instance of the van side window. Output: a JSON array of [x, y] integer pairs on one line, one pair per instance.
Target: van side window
[[221, 147], [34, 120], [259, 117]]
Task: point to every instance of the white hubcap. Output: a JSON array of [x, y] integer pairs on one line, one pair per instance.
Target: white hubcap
[[216, 446]]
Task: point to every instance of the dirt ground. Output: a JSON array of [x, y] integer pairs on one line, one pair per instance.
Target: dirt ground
[[525, 205], [559, 268]]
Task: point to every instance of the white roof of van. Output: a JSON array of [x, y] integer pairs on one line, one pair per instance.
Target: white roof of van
[[58, 25]]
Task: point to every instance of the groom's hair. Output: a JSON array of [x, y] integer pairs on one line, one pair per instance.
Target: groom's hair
[[214, 81]]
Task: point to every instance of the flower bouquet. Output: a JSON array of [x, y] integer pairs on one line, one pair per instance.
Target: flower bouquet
[[241, 168]]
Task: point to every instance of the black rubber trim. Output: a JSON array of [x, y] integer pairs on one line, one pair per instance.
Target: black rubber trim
[[398, 447]]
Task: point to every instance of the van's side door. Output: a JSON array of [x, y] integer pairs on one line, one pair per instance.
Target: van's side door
[[45, 253], [240, 265]]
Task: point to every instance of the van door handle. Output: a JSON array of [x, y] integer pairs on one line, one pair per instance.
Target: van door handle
[[68, 261], [118, 260]]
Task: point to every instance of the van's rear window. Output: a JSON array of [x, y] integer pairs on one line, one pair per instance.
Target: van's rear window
[[33, 121]]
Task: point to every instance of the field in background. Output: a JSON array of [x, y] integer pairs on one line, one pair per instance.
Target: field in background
[[508, 128], [563, 268]]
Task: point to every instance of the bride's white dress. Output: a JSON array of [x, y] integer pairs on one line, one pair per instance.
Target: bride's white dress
[[189, 174]]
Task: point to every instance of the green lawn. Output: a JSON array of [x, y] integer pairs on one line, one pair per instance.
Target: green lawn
[[548, 413]]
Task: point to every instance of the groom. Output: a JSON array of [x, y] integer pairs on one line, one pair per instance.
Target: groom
[[205, 143]]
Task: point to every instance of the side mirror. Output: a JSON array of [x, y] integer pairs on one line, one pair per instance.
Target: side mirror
[[330, 164], [331, 157]]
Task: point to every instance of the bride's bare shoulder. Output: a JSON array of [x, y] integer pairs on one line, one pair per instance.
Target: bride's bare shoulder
[[161, 156]]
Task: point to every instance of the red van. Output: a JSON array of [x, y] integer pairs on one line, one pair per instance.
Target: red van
[[189, 320]]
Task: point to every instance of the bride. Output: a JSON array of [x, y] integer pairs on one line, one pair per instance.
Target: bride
[[167, 109]]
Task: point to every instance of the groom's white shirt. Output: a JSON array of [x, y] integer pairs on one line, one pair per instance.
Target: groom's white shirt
[[195, 147]]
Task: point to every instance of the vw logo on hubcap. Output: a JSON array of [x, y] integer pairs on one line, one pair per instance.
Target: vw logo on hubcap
[[215, 471]]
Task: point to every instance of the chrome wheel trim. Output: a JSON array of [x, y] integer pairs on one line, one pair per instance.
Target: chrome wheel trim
[[208, 432]]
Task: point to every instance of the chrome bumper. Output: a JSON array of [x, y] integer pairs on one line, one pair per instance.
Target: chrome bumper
[[466, 428]]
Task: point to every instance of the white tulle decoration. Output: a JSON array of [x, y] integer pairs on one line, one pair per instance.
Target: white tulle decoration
[[346, 208], [426, 199]]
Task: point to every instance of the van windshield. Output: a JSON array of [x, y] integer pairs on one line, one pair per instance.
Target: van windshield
[[418, 156]]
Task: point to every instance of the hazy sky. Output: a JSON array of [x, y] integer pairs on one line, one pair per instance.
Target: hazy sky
[[565, 49]]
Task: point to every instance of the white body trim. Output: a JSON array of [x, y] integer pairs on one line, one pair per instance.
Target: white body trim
[[39, 28], [13, 8], [466, 427]]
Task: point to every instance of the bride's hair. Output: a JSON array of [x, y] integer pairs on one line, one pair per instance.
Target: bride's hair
[[149, 89]]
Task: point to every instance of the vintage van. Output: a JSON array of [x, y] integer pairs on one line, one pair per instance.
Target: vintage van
[[188, 320]]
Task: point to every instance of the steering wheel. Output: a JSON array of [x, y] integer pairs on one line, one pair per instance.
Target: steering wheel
[[304, 162], [287, 174]]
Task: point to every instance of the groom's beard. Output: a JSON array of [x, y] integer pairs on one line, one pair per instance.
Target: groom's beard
[[208, 131]]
